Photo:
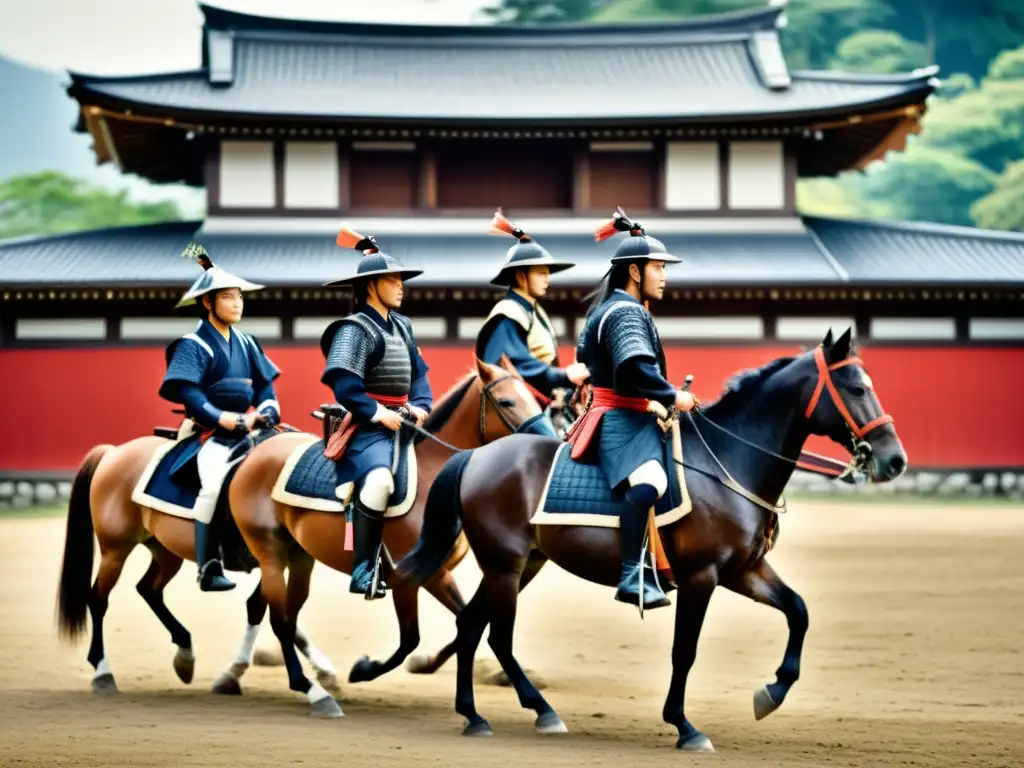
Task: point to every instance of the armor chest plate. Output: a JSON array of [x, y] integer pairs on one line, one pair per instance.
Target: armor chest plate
[[392, 376]]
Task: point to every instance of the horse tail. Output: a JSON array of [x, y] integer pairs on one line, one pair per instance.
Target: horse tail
[[76, 571], [442, 523]]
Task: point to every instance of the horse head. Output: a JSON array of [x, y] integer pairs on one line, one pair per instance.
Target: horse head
[[506, 403], [843, 406]]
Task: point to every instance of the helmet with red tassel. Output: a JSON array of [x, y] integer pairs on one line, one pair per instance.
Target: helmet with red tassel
[[639, 246], [374, 262], [524, 254], [213, 278]]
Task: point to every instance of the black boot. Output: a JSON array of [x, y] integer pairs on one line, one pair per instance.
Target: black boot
[[211, 572], [632, 526], [367, 540]]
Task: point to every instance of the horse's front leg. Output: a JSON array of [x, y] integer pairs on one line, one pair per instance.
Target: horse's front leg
[[694, 596], [762, 585]]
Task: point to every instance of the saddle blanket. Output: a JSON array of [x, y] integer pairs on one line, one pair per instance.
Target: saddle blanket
[[170, 482], [309, 480], [578, 493]]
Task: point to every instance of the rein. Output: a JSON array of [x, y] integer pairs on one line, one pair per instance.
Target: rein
[[486, 396], [861, 453]]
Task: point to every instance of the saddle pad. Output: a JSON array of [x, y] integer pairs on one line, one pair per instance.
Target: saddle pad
[[309, 480], [171, 494], [578, 494]]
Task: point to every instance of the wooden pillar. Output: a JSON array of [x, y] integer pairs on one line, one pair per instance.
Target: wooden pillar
[[344, 177], [428, 179], [581, 179]]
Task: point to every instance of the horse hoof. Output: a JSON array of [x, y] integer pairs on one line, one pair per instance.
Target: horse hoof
[[226, 685], [325, 707], [104, 685], [698, 742], [483, 728], [764, 704], [329, 681], [418, 664], [267, 657], [363, 671], [185, 664], [550, 722]]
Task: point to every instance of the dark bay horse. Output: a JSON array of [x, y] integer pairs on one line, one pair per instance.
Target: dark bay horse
[[487, 405], [755, 430]]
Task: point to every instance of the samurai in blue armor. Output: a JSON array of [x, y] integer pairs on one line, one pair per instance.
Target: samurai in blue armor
[[226, 382], [374, 368], [518, 326], [621, 347]]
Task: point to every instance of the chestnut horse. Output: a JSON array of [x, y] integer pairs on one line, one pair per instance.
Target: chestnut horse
[[490, 403], [101, 506], [739, 454]]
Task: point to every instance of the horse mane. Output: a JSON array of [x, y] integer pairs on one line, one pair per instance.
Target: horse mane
[[737, 388], [447, 403]]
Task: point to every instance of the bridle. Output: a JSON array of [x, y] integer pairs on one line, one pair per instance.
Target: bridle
[[861, 450], [486, 396]]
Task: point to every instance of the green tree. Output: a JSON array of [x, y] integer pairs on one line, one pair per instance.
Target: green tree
[[1004, 207], [815, 28], [928, 184], [878, 50], [663, 10], [542, 11], [50, 202]]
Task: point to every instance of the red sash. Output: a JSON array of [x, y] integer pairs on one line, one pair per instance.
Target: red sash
[[602, 401]]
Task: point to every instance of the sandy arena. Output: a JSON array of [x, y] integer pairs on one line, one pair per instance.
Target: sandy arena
[[913, 658]]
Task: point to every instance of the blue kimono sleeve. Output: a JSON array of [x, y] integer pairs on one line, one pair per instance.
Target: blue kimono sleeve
[[641, 378], [267, 405], [507, 337], [198, 406], [187, 365]]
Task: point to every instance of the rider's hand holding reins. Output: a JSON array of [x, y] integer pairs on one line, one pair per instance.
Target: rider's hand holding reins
[[418, 414], [685, 402], [390, 419], [577, 373]]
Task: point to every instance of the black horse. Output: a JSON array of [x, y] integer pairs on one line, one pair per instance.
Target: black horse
[[739, 454]]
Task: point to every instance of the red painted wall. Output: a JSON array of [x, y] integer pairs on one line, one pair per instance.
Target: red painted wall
[[956, 407]]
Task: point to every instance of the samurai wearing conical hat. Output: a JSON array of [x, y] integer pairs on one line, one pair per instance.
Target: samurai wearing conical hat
[[374, 368], [518, 326], [226, 383], [621, 347]]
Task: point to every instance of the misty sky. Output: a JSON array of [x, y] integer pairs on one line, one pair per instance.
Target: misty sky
[[137, 36]]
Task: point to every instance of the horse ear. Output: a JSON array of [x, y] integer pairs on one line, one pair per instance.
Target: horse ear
[[485, 371], [841, 348], [508, 365], [827, 341]]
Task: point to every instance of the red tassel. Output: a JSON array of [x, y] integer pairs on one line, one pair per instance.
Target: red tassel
[[349, 238], [500, 225], [348, 535], [606, 230], [204, 261]]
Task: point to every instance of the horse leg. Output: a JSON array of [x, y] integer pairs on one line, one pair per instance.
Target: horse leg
[[761, 584], [111, 563], [502, 595], [285, 603], [470, 626], [445, 591], [694, 596], [406, 599], [227, 682], [165, 567]]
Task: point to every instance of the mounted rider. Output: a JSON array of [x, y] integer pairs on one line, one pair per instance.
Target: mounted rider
[[621, 347], [226, 383], [518, 326], [374, 368]]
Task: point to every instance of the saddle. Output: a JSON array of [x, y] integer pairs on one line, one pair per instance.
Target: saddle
[[337, 429]]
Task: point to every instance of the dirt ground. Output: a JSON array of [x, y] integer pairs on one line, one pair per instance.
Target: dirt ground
[[914, 657]]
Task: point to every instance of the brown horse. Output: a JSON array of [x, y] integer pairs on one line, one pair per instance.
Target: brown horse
[[739, 454], [488, 404], [101, 505]]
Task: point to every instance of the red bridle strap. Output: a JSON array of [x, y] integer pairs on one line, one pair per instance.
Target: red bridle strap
[[825, 380]]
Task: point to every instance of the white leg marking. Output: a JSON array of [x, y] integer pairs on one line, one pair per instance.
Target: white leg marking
[[315, 656], [102, 668]]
